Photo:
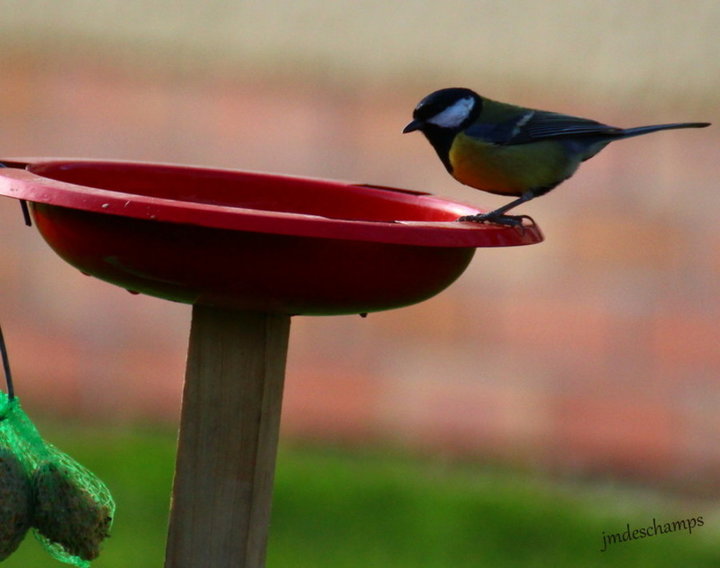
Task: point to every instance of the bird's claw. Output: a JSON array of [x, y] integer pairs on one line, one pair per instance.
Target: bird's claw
[[507, 220]]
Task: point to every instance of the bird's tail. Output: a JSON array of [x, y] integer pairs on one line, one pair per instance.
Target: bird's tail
[[640, 130]]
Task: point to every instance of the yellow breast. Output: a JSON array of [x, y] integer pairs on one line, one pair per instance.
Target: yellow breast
[[511, 169]]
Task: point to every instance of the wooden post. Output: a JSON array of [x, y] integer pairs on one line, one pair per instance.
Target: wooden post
[[228, 439]]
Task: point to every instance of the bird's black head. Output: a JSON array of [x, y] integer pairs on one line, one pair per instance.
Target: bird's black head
[[446, 110]]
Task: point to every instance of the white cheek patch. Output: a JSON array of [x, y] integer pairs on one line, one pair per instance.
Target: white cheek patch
[[453, 115]]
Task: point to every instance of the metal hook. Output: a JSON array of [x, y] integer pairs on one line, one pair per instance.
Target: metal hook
[[26, 212], [23, 205]]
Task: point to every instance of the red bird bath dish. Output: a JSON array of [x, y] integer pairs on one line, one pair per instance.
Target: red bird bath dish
[[251, 240], [248, 250]]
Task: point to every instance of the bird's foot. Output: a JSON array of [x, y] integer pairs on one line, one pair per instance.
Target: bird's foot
[[507, 220]]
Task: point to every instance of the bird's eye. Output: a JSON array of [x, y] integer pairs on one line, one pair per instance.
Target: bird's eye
[[423, 112]]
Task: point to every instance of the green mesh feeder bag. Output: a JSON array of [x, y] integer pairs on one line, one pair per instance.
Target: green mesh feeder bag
[[15, 501], [69, 509]]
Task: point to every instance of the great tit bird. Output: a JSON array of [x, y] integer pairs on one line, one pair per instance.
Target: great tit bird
[[511, 150]]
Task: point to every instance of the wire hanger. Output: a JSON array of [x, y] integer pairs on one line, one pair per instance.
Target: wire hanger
[[6, 367]]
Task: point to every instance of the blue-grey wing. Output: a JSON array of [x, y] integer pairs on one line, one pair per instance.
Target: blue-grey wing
[[536, 125]]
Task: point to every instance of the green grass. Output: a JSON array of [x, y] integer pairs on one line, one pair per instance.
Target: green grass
[[348, 509]]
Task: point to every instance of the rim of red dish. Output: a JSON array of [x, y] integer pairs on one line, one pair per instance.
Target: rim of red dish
[[30, 179]]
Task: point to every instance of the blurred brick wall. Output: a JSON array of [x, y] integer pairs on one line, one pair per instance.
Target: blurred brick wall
[[595, 352]]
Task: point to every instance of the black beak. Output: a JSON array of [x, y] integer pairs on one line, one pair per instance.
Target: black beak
[[414, 125]]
